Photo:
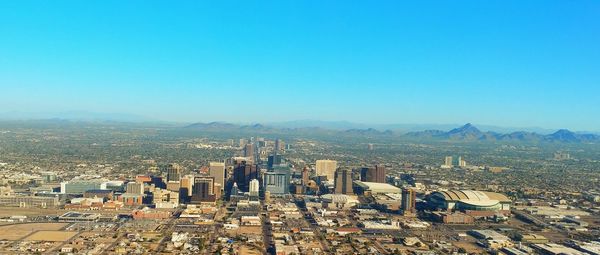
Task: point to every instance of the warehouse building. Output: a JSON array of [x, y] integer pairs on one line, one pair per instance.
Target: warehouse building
[[375, 188]]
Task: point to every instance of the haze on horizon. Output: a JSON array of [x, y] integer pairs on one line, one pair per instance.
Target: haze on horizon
[[504, 63]]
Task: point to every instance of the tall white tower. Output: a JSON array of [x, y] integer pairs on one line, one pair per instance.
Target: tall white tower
[[254, 188]]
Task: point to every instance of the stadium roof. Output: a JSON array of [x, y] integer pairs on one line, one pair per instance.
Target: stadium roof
[[474, 197]]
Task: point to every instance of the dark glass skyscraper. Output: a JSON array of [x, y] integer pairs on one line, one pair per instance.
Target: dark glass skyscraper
[[343, 181], [203, 190], [274, 160], [173, 172], [409, 200], [373, 174], [243, 173]]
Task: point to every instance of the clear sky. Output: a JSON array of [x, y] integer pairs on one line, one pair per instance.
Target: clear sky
[[505, 63]]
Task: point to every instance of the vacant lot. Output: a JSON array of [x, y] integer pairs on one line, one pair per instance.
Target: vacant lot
[[18, 231], [51, 236], [10, 211]]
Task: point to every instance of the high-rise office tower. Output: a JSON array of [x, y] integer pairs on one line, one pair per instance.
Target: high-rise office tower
[[243, 173], [373, 174], [186, 187], [370, 146], [274, 160], [249, 151], [278, 181], [217, 171], [448, 161], [254, 188], [173, 172], [203, 190], [276, 148], [409, 198], [462, 162], [343, 182], [326, 168], [135, 188], [278, 145], [305, 175]]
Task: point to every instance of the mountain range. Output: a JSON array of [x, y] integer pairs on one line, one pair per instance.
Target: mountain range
[[471, 133], [404, 128], [467, 132]]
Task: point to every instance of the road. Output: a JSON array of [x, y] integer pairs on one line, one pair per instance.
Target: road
[[267, 230], [314, 227], [167, 231]]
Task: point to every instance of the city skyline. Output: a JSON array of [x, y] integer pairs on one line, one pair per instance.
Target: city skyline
[[499, 64], [300, 127]]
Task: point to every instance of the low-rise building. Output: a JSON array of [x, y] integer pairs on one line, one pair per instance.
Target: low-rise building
[[251, 221], [147, 213], [375, 188], [131, 199], [491, 239], [532, 238], [29, 201], [555, 249]]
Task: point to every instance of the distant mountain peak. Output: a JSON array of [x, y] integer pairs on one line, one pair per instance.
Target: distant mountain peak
[[564, 131], [468, 127], [565, 135], [467, 132], [470, 132]]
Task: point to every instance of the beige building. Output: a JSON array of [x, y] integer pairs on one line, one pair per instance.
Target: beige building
[[186, 185], [135, 188], [217, 171], [448, 161], [327, 168], [165, 196]]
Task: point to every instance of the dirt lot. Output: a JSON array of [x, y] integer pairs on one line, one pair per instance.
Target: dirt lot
[[10, 211], [469, 246], [246, 250], [51, 236], [255, 230], [18, 231]]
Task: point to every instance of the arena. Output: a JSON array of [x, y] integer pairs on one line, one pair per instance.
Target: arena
[[469, 200]]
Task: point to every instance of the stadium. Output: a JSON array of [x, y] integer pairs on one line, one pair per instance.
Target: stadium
[[469, 200]]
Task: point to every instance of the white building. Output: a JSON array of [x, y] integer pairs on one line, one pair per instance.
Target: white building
[[251, 221], [254, 188]]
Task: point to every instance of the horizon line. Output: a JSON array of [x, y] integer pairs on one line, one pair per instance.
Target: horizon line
[[278, 124]]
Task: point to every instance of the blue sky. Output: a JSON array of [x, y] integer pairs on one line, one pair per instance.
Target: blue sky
[[505, 63]]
